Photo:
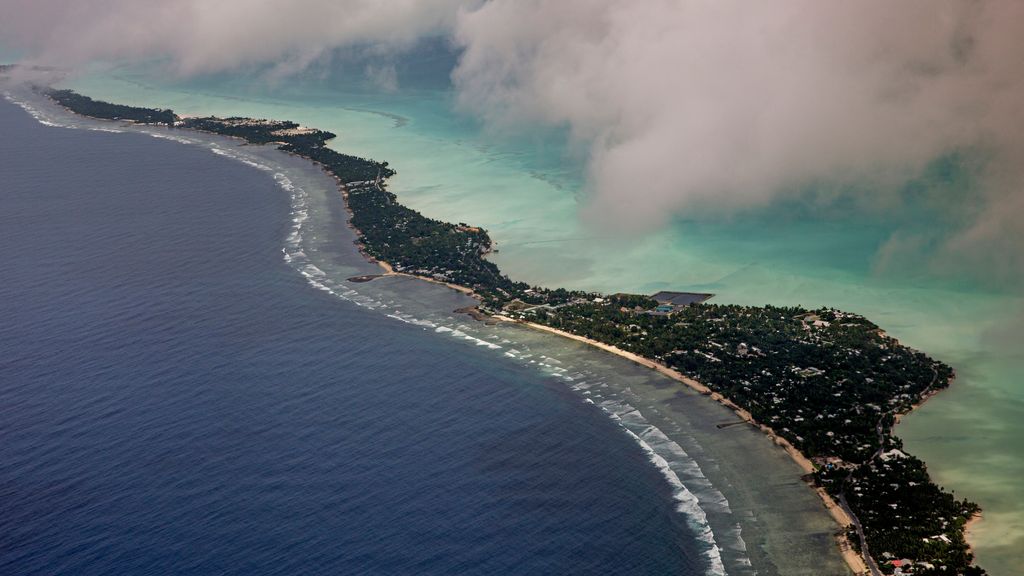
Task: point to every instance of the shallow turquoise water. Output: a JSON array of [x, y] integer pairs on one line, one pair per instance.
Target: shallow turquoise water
[[176, 399], [526, 191]]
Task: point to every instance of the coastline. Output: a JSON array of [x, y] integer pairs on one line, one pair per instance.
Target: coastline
[[329, 402], [837, 513], [969, 528], [855, 561], [920, 402], [389, 270]]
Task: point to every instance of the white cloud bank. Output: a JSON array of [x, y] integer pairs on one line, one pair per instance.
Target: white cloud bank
[[699, 106], [203, 36], [695, 107]]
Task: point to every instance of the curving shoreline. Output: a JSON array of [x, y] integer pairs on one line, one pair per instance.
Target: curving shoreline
[[859, 564], [852, 559], [801, 459]]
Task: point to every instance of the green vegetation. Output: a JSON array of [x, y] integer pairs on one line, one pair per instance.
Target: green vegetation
[[906, 517], [822, 384], [88, 107], [829, 382]]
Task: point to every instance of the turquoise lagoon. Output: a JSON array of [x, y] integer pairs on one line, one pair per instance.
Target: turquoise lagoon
[[527, 191]]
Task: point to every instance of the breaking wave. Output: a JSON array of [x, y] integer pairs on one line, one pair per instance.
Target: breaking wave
[[681, 471], [693, 494]]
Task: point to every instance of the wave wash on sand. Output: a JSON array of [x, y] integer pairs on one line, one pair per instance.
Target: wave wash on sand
[[728, 349]]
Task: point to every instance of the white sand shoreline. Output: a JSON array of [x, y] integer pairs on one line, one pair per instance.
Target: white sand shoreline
[[854, 560]]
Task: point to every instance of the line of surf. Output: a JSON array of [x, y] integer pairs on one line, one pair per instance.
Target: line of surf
[[666, 455]]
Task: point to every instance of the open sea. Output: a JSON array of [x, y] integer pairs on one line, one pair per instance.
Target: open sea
[[190, 384], [187, 381], [175, 398], [527, 189]]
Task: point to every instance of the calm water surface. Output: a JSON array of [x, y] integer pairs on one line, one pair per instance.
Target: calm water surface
[[526, 192], [176, 399]]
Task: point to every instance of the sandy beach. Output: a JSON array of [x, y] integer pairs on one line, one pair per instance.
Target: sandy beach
[[852, 558], [854, 561], [972, 525]]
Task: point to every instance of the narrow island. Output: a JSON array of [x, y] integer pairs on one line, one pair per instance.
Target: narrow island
[[828, 386]]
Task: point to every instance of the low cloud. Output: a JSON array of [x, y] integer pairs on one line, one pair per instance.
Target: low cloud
[[199, 36], [705, 108], [682, 107], [382, 77]]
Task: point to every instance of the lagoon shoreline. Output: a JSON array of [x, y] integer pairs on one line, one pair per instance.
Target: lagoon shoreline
[[860, 565], [772, 551], [855, 561], [835, 510], [200, 407]]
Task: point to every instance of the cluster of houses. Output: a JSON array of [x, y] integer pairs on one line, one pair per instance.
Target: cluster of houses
[[903, 566], [668, 303]]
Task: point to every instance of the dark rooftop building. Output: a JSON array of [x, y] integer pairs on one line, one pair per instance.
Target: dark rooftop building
[[680, 298]]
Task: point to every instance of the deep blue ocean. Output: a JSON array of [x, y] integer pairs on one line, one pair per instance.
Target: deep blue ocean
[[175, 399]]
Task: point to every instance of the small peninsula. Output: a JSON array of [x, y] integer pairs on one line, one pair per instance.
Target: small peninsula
[[826, 385]]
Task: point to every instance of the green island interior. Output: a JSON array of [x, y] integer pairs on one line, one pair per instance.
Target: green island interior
[[830, 383]]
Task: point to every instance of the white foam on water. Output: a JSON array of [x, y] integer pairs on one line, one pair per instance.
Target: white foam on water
[[35, 113], [293, 251], [423, 323], [457, 333], [683, 465], [693, 492], [688, 505], [164, 136], [680, 470], [248, 161], [738, 546]]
